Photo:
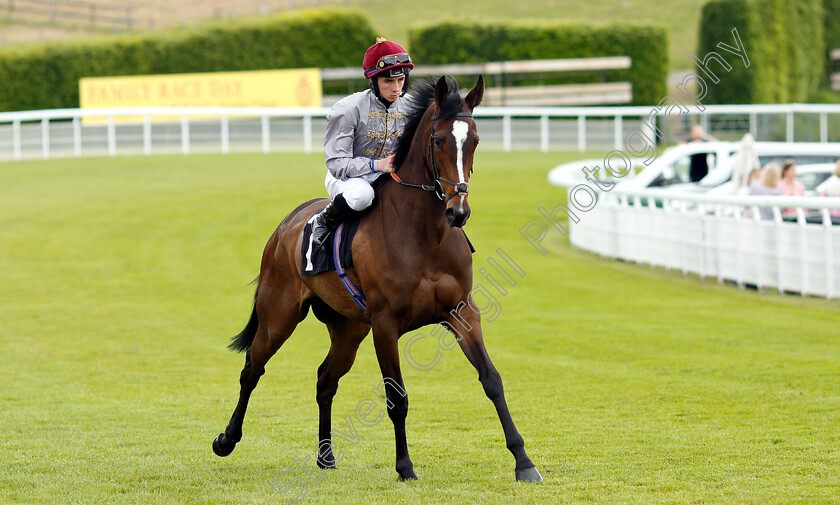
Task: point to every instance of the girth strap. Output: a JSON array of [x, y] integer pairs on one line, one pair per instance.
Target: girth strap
[[351, 288]]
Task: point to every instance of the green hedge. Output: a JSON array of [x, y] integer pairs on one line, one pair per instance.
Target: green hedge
[[831, 17], [741, 84], [783, 40], [647, 46], [47, 77]]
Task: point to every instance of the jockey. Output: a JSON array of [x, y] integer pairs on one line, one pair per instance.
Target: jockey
[[362, 132]]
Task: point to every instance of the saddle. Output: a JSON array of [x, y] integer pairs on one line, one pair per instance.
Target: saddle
[[315, 260]]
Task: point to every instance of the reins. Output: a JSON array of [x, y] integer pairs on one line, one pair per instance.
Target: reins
[[461, 187]]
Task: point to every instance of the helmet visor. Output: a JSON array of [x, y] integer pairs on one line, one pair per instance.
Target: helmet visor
[[388, 61], [392, 59]]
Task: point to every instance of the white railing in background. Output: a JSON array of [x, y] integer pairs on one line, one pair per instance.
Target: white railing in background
[[721, 237], [66, 132]]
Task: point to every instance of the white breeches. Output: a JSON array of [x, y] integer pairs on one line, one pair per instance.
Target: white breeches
[[357, 190]]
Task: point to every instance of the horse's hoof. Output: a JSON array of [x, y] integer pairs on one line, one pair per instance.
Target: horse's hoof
[[222, 446], [407, 475], [325, 466], [529, 475]]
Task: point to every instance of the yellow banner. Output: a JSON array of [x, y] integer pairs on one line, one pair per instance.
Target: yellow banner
[[261, 88]]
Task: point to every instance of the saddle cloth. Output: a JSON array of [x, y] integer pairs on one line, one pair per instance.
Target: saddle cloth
[[316, 260]]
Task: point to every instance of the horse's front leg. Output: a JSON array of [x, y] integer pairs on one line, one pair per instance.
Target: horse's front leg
[[385, 335], [472, 343]]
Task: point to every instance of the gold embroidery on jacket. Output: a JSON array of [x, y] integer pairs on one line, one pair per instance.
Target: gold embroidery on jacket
[[390, 115]]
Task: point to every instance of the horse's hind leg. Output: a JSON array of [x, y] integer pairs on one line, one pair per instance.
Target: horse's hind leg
[[345, 337], [281, 318]]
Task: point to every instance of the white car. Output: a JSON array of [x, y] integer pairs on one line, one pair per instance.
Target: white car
[[671, 168], [814, 176], [811, 176]]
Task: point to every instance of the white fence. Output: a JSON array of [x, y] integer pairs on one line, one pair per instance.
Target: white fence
[[721, 237], [70, 132]]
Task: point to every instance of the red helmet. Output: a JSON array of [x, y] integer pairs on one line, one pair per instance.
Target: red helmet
[[386, 57]]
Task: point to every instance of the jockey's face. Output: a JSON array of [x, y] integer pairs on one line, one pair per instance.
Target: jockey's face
[[391, 87]]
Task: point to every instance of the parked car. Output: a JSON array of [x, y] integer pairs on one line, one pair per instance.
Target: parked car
[[813, 176], [670, 167], [810, 175], [670, 170]]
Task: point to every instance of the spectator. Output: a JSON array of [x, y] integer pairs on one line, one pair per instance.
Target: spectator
[[699, 163], [790, 186], [755, 175], [768, 184], [831, 187]]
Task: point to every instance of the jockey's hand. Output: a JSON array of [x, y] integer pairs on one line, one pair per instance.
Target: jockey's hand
[[385, 165]]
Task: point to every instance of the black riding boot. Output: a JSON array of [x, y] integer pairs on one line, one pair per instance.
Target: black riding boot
[[328, 219]]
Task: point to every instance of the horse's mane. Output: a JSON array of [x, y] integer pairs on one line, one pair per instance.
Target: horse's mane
[[421, 97]]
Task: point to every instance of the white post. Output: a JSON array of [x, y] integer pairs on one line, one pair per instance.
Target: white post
[[719, 243], [307, 133], [829, 256], [265, 134], [185, 135], [739, 250], [684, 243], [147, 135], [112, 137], [803, 250], [225, 135], [754, 125], [45, 138], [701, 212], [823, 127], [780, 258], [759, 285], [636, 236], [77, 137], [16, 148], [506, 134], [618, 133], [544, 133], [789, 126], [581, 133]]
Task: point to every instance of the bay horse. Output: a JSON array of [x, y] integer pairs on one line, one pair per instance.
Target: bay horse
[[410, 259]]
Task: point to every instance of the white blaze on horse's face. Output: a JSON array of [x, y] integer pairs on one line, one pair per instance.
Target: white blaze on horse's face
[[459, 131]]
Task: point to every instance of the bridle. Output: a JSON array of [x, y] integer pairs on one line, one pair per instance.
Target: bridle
[[461, 188]]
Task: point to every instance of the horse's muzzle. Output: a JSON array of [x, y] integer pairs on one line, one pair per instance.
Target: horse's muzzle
[[456, 217]]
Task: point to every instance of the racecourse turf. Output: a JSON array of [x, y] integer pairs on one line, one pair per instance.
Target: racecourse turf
[[121, 280]]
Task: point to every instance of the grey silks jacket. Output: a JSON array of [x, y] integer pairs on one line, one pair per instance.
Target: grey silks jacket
[[361, 129]]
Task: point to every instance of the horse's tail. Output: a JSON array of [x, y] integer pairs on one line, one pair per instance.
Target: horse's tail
[[243, 340]]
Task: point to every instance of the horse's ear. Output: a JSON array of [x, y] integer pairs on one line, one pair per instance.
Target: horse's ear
[[441, 91], [476, 95]]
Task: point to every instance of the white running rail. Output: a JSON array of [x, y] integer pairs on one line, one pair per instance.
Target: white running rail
[[48, 134], [723, 237]]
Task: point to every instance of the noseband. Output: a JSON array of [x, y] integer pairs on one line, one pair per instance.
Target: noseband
[[461, 188]]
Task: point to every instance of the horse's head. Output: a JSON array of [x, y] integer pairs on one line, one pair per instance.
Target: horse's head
[[452, 142]]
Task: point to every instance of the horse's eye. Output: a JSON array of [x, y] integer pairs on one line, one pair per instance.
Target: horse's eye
[[438, 142]]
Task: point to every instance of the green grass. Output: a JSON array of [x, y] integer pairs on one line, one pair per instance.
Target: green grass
[[121, 280]]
